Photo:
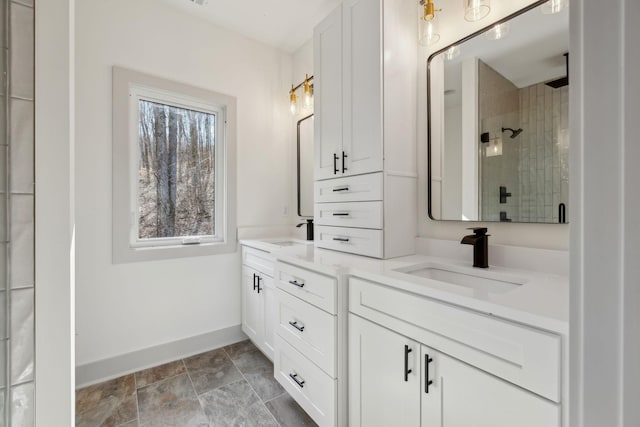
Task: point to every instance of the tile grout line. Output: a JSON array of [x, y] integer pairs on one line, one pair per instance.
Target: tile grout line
[[135, 383], [250, 386], [194, 390]]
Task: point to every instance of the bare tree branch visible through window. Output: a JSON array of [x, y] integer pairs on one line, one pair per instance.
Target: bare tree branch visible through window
[[175, 171]]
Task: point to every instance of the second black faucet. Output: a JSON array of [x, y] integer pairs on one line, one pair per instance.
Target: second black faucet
[[480, 241]]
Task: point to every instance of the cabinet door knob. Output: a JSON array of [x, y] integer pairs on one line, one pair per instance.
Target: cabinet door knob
[[407, 371], [427, 381], [297, 326], [296, 283], [297, 379]]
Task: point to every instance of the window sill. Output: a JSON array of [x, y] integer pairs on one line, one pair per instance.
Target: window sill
[[129, 254]]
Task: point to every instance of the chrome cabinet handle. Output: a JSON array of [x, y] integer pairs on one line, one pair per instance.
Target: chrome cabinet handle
[[297, 379], [295, 325], [296, 283]]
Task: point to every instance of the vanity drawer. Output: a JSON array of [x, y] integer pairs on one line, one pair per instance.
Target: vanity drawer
[[356, 188], [522, 355], [349, 214], [309, 330], [314, 390], [360, 241], [258, 260], [314, 288]]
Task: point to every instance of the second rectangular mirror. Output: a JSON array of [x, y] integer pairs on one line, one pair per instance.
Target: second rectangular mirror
[[498, 122]]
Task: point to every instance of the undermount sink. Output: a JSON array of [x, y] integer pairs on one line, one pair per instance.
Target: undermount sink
[[478, 280]]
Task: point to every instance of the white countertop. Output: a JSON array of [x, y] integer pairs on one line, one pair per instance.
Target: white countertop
[[542, 301]]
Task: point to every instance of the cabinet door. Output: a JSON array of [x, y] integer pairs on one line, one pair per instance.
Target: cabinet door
[[463, 396], [327, 48], [380, 394], [362, 86], [252, 306], [270, 314]]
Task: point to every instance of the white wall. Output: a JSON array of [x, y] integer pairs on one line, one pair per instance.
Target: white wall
[[127, 307], [453, 28]]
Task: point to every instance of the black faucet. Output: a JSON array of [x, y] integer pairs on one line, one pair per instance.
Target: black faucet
[[480, 241], [309, 225]]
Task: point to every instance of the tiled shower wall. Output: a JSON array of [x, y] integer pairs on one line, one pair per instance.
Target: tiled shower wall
[[544, 162], [17, 214]]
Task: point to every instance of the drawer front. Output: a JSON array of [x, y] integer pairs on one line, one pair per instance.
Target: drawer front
[[359, 188], [349, 214], [257, 259], [360, 241], [314, 288], [309, 330], [314, 390], [522, 355]]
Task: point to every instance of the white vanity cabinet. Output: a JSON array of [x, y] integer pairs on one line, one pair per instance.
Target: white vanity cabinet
[[259, 302], [365, 128], [433, 364], [307, 362]]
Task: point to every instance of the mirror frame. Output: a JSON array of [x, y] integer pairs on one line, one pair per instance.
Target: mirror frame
[[433, 55], [298, 163]]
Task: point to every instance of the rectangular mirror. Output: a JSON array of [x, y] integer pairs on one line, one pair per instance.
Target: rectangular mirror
[[305, 166], [499, 121]]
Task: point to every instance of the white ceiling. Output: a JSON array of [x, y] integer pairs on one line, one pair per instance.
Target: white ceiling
[[284, 24]]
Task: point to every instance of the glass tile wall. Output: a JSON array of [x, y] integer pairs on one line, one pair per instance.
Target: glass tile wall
[[17, 214]]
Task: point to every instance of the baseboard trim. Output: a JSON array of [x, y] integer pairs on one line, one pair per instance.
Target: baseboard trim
[[106, 369]]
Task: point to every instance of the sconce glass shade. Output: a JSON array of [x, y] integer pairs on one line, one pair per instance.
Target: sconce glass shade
[[498, 32], [475, 10], [494, 148], [452, 53], [293, 100], [554, 6], [428, 32], [308, 93]]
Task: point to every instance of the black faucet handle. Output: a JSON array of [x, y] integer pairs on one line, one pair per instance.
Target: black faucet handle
[[479, 231]]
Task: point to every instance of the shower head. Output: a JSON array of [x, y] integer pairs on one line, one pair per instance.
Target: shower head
[[514, 132]]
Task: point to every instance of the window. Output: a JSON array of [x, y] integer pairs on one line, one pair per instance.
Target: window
[[177, 143]]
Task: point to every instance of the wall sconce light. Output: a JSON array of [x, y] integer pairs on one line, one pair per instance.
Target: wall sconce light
[[475, 10], [554, 6], [308, 95], [498, 32], [428, 25]]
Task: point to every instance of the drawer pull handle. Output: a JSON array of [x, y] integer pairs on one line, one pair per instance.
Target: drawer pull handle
[[427, 381], [295, 325], [255, 285], [338, 189], [341, 214], [344, 156], [341, 239], [407, 371], [297, 379], [296, 283], [335, 163]]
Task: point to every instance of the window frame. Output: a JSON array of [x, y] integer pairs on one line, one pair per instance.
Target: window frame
[[129, 87]]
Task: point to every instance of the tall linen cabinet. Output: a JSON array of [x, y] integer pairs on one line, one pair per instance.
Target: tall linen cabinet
[[365, 71]]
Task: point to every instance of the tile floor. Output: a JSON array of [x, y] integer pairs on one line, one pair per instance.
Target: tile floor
[[230, 386]]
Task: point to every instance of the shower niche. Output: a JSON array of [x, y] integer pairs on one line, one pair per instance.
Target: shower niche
[[498, 122]]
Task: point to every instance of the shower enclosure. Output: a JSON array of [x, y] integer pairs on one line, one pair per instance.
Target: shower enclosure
[[17, 214]]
